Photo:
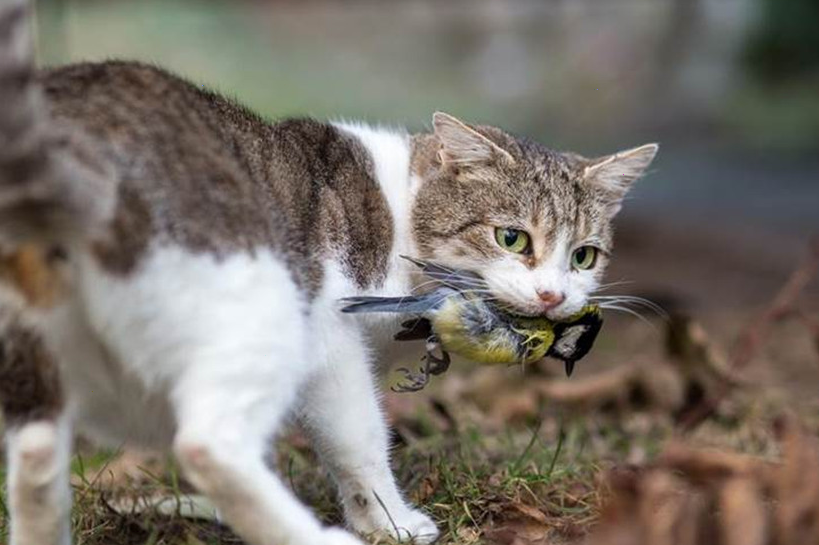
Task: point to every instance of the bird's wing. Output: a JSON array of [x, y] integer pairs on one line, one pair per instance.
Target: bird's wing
[[414, 330], [411, 304]]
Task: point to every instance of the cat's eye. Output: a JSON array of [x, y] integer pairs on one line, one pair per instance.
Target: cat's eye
[[512, 240], [584, 258]]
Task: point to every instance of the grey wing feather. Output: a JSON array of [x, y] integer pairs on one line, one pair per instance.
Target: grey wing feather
[[411, 304]]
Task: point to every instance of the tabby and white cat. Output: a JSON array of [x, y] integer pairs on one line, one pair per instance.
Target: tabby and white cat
[[173, 264]]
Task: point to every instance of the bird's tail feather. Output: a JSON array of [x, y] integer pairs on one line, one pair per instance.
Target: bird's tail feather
[[53, 180]]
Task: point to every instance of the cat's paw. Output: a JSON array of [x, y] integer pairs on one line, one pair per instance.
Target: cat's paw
[[415, 526], [337, 536], [405, 525]]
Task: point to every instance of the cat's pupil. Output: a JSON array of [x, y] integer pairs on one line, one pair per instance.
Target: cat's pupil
[[510, 237], [581, 255]]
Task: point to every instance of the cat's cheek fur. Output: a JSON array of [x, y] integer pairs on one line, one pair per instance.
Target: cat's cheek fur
[[581, 285]]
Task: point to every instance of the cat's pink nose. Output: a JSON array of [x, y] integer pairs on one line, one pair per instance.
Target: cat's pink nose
[[550, 299]]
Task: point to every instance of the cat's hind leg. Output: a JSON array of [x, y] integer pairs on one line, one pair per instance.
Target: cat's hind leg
[[38, 439], [39, 494], [341, 411]]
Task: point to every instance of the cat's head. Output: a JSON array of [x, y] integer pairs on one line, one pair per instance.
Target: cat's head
[[536, 224]]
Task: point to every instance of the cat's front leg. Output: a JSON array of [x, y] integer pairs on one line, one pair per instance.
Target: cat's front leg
[[340, 410], [227, 413]]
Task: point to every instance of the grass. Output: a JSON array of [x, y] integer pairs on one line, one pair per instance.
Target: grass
[[474, 484], [469, 481]]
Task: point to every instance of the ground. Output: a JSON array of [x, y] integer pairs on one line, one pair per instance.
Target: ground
[[520, 456]]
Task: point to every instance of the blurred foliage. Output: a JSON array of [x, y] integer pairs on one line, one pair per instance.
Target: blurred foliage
[[577, 74], [785, 43]]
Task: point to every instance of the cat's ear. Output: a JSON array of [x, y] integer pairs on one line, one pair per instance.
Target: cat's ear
[[614, 174], [462, 146]]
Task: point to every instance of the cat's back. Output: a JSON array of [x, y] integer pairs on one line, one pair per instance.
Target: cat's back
[[122, 100], [199, 171]]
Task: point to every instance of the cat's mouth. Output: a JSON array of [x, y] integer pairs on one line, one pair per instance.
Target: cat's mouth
[[553, 314], [533, 310]]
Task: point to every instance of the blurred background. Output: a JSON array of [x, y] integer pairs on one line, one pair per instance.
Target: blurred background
[[729, 88]]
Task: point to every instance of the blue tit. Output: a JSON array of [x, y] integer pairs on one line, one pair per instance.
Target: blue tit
[[456, 318]]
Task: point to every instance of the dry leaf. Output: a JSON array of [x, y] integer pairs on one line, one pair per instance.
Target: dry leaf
[[518, 524], [695, 496], [518, 533]]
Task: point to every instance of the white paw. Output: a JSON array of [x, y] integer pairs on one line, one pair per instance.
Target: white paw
[[406, 525], [337, 536], [414, 526]]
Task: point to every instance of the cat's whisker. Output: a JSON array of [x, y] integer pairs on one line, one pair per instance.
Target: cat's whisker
[[631, 299], [609, 285], [626, 310], [461, 283], [634, 300], [650, 305], [632, 307], [424, 284]]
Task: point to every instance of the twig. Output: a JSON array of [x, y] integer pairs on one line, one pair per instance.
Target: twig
[[387, 512], [750, 339], [812, 324], [748, 343]]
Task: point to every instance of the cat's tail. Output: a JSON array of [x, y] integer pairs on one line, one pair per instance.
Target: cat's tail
[[53, 183]]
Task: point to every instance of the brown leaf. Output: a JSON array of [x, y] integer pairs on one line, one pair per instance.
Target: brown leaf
[[694, 496], [797, 487], [521, 532], [743, 513], [427, 487], [518, 524], [704, 466], [528, 512]]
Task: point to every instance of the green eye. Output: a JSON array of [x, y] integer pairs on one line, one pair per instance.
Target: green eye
[[584, 257], [512, 240]]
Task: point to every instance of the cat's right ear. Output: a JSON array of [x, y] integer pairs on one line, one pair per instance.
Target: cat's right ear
[[463, 146], [615, 174]]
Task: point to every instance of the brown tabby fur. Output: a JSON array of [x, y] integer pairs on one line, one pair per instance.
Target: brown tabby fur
[[200, 171]]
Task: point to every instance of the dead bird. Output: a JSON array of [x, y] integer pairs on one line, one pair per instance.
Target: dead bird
[[455, 318]]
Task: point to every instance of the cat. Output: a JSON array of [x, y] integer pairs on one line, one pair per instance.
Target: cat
[[172, 266]]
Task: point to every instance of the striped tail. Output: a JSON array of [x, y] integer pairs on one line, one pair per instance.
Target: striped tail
[[53, 181]]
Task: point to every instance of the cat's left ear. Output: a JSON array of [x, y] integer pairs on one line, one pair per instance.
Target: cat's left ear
[[615, 174], [463, 146]]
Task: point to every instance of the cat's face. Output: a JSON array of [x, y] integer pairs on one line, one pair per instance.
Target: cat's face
[[535, 223]]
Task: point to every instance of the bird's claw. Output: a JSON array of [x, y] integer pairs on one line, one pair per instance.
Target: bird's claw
[[436, 365], [433, 365], [412, 382]]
